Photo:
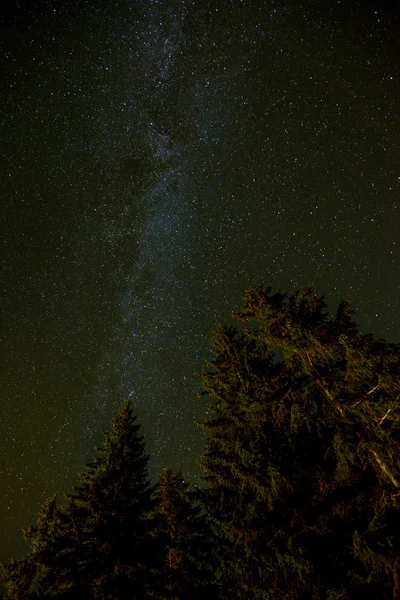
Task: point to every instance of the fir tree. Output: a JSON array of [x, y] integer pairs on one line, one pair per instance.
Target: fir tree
[[302, 453], [109, 510], [179, 532], [98, 546], [38, 574], [16, 578]]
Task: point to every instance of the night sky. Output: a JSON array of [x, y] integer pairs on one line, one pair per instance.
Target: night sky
[[158, 159]]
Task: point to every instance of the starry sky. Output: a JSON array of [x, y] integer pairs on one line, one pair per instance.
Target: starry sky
[[160, 157]]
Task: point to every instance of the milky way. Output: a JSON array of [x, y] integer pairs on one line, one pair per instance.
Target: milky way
[[160, 158]]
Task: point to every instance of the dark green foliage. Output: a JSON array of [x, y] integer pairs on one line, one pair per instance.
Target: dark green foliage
[[301, 453], [16, 578], [181, 544], [98, 546], [40, 574], [109, 512], [379, 546], [301, 471]]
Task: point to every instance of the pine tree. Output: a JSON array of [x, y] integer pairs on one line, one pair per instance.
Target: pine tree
[[302, 452], [179, 531], [110, 509], [16, 578], [98, 546], [40, 574]]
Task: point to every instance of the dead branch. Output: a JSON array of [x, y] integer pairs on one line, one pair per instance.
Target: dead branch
[[384, 417]]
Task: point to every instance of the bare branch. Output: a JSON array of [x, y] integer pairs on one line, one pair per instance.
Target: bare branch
[[367, 394], [373, 389], [384, 417], [385, 469]]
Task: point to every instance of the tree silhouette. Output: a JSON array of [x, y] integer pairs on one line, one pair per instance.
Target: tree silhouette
[[109, 510], [302, 452], [301, 495], [181, 544], [98, 546]]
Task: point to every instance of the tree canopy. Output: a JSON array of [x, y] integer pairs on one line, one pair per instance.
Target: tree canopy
[[300, 493], [98, 546], [302, 451]]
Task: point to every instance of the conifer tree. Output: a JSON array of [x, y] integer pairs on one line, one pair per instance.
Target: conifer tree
[[110, 509], [98, 546], [181, 547], [46, 570], [38, 574], [302, 452], [15, 578]]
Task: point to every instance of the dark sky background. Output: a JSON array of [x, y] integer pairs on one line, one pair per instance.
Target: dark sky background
[[158, 159]]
